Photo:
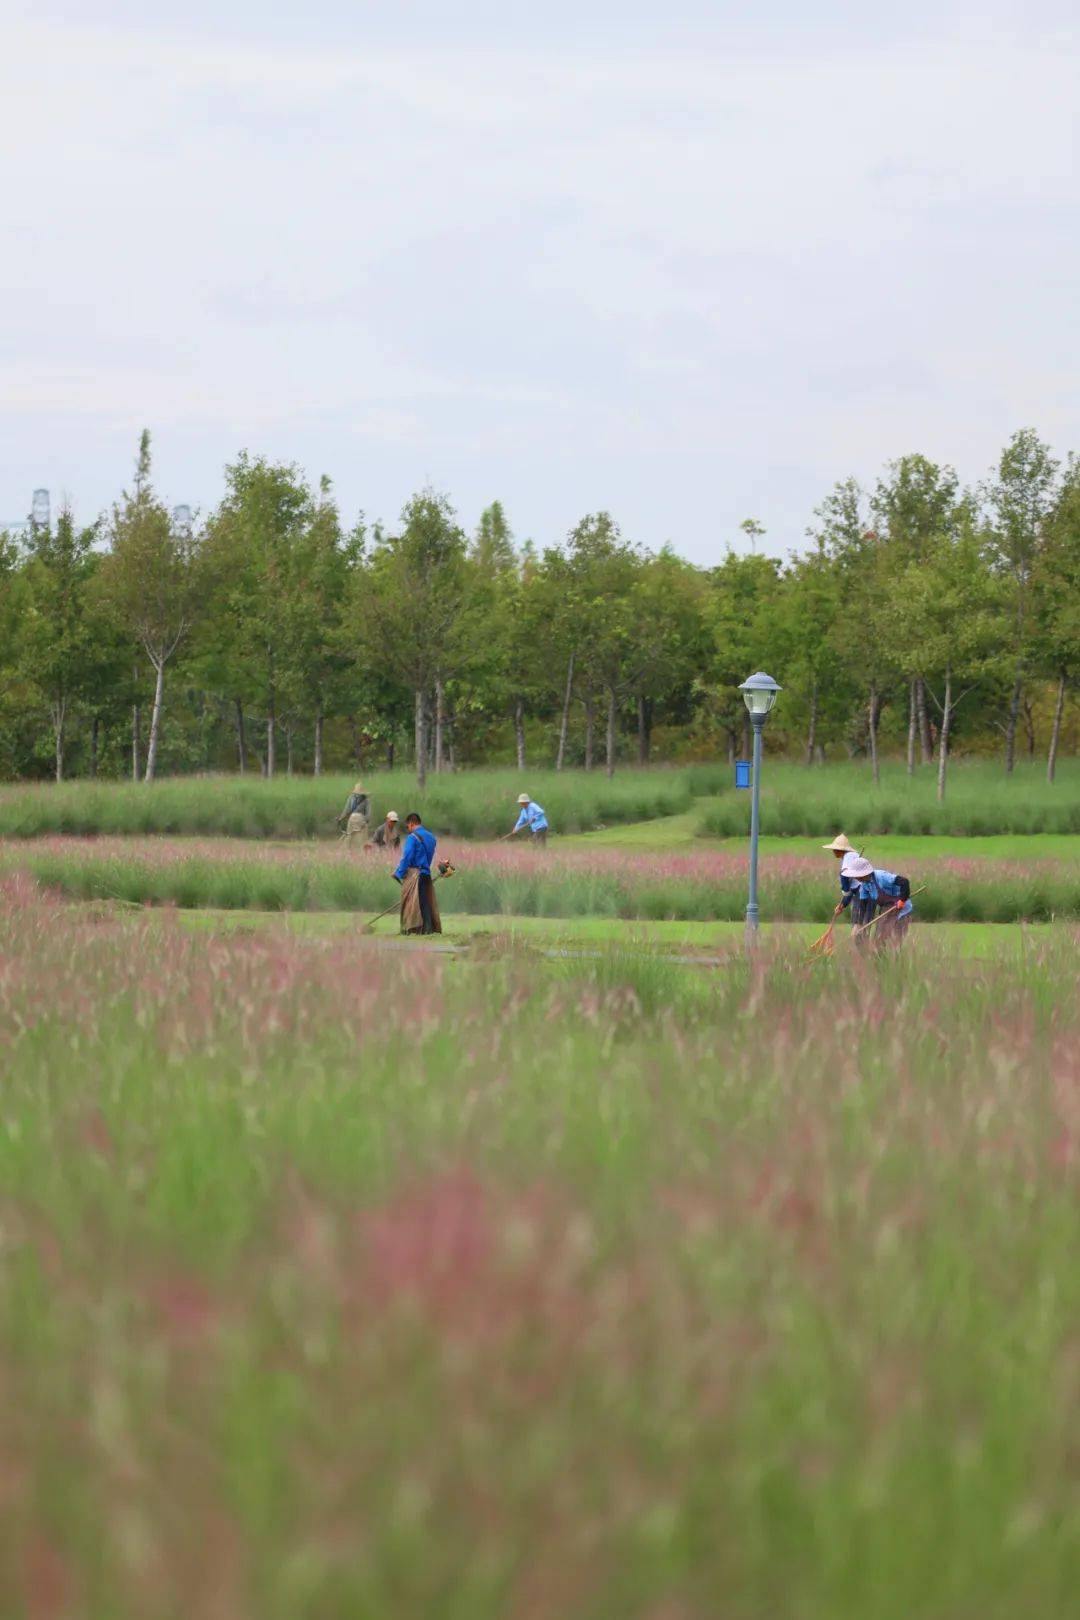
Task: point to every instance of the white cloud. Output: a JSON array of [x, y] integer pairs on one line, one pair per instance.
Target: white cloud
[[662, 280]]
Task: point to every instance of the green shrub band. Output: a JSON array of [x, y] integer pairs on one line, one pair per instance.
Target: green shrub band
[[981, 802], [476, 804]]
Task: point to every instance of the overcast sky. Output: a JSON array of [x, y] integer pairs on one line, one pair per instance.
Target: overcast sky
[[691, 261]]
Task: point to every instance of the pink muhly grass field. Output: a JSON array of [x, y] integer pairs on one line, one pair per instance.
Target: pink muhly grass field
[[341, 1281]]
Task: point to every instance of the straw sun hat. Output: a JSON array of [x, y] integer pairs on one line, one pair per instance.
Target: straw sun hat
[[856, 866], [839, 843], [523, 798]]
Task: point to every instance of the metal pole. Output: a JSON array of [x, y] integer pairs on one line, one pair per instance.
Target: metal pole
[[758, 721]]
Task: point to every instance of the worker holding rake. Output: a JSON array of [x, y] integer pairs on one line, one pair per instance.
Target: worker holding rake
[[874, 896], [869, 888], [355, 816], [530, 815]]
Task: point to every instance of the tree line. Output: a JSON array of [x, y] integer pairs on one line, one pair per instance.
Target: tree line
[[269, 636]]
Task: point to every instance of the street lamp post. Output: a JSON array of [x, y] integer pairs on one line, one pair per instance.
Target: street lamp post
[[759, 694]]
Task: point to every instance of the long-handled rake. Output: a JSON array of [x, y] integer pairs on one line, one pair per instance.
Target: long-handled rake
[[890, 911], [446, 869], [825, 943]]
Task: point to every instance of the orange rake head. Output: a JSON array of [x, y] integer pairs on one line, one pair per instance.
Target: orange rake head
[[825, 943]]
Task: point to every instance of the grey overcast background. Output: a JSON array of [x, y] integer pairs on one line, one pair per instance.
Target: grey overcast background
[[691, 262]]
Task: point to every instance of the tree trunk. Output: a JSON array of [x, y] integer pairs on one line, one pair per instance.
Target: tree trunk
[[420, 739], [747, 746], [811, 730], [288, 750], [590, 721], [564, 723], [440, 721], [644, 740], [59, 721], [730, 744], [317, 765], [389, 753], [610, 749], [136, 742], [241, 740], [519, 732], [1029, 727], [451, 742], [1055, 730], [271, 736], [155, 721], [943, 739], [926, 740], [95, 733], [1011, 723], [872, 710], [912, 727]]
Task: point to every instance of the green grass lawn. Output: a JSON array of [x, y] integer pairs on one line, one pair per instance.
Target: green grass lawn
[[553, 933], [682, 832]]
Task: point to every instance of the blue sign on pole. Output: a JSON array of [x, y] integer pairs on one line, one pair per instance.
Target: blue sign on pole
[[742, 773]]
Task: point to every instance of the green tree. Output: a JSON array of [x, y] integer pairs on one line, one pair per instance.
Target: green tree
[[866, 582], [740, 590], [151, 579], [668, 608], [493, 546], [1056, 602], [915, 502], [57, 644], [410, 608], [806, 619], [1021, 496], [256, 555], [952, 614]]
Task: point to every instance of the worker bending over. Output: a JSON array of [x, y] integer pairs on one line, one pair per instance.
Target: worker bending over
[[530, 815], [866, 887], [387, 834], [419, 906]]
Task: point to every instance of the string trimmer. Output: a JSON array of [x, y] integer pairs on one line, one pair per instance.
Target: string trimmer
[[445, 869]]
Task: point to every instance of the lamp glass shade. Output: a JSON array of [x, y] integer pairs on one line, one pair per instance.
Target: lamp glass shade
[[759, 693]]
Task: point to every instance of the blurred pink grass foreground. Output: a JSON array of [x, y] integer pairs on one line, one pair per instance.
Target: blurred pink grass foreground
[[335, 1287]]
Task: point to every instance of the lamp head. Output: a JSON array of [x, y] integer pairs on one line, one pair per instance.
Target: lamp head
[[759, 693]]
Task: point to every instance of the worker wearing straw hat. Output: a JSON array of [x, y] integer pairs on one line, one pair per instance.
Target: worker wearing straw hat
[[530, 815], [868, 887], [355, 816]]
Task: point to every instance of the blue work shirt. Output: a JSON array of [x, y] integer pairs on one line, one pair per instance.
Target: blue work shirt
[[532, 817], [881, 886], [419, 851]]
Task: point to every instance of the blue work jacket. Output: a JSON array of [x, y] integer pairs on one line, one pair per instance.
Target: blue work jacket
[[419, 851], [532, 817], [881, 886]]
